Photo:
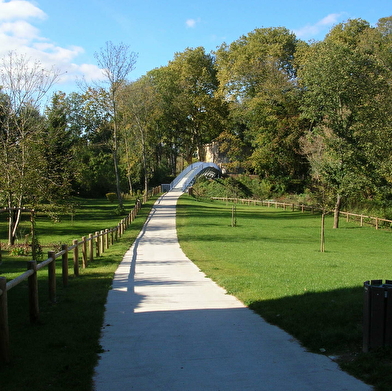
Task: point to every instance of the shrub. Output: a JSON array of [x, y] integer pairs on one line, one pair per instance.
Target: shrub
[[112, 197], [18, 250]]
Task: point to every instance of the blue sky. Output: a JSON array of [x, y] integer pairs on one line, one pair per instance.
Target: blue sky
[[67, 33]]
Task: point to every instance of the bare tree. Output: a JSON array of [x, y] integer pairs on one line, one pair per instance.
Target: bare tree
[[116, 61], [24, 82]]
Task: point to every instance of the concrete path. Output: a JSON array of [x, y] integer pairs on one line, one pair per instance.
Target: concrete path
[[168, 327]]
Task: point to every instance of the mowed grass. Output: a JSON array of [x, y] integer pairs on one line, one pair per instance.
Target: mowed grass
[[61, 350], [272, 262]]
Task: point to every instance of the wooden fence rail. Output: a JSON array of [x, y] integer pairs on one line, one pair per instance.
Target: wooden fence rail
[[101, 241], [376, 221]]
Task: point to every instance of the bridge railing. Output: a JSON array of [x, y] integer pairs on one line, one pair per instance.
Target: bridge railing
[[183, 173], [187, 178]]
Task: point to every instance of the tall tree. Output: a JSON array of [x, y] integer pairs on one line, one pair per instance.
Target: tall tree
[[60, 141], [141, 111], [343, 82], [25, 83], [89, 117], [116, 61], [201, 110], [258, 78], [172, 120]]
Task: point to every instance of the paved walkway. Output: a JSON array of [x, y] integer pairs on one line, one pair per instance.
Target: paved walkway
[[168, 327]]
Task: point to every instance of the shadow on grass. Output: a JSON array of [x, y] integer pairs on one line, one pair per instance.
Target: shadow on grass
[[67, 333], [329, 320], [331, 323]]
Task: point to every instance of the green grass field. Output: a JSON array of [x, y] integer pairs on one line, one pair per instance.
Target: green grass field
[[271, 261], [60, 352]]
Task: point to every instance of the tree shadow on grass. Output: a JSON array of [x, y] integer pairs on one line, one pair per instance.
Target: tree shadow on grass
[[319, 320], [331, 323]]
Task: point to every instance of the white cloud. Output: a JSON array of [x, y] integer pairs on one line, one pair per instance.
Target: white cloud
[[20, 29], [311, 31], [191, 23], [19, 9], [17, 33]]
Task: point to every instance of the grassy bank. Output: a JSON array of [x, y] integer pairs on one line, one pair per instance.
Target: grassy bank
[[271, 261], [61, 351]]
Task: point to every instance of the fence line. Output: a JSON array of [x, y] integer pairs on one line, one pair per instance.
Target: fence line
[[101, 241], [376, 221]]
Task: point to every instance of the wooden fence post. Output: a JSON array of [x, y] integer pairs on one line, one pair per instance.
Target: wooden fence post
[[90, 247], [106, 238], [52, 277], [111, 237], [84, 252], [97, 245], [76, 257], [64, 264], [4, 330], [102, 242], [33, 292]]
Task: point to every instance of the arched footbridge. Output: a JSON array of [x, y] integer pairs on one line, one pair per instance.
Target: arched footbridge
[[189, 175]]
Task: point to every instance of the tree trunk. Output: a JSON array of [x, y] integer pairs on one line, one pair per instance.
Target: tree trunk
[[117, 175], [11, 238], [130, 184], [322, 239], [336, 211]]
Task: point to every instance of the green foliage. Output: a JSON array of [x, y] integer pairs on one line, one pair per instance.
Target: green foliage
[[18, 250], [120, 210], [257, 75], [112, 197], [341, 77], [241, 186]]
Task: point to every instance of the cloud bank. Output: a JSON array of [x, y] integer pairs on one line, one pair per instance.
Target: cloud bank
[[18, 33]]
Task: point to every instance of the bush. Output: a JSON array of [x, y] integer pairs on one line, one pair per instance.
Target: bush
[[19, 250], [240, 187], [112, 197]]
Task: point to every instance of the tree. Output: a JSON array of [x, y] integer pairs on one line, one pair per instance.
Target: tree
[[172, 119], [88, 117], [116, 61], [140, 111], [258, 77], [202, 112], [60, 141], [25, 83], [344, 87]]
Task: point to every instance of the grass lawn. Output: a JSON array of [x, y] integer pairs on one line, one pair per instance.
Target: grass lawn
[[271, 261], [60, 352]]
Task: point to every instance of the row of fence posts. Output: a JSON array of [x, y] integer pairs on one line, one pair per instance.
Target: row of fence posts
[[362, 218], [102, 241]]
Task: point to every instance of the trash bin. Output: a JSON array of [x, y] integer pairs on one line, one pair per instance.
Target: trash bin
[[377, 314]]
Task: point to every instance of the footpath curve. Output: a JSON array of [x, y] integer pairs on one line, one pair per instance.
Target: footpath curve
[[169, 327]]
